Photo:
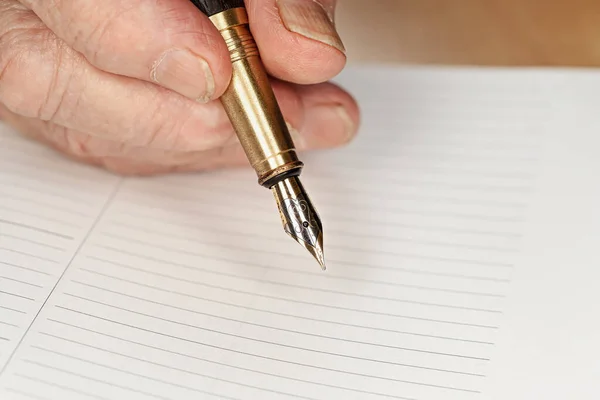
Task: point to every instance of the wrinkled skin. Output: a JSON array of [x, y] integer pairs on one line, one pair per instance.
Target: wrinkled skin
[[81, 76]]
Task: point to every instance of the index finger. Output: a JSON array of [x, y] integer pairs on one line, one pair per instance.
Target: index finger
[[170, 43]]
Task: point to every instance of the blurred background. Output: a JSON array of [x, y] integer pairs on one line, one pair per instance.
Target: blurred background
[[480, 32]]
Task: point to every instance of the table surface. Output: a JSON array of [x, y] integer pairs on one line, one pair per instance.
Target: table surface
[[476, 32]]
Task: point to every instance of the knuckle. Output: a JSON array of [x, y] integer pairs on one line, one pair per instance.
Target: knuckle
[[108, 33], [93, 46], [82, 145], [34, 74], [77, 145], [63, 139], [16, 32], [60, 97], [54, 94]]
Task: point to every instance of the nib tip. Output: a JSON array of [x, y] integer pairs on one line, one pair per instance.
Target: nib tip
[[320, 257]]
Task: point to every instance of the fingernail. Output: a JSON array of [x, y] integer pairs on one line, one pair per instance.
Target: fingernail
[[349, 125], [299, 141], [329, 125], [310, 18], [185, 73]]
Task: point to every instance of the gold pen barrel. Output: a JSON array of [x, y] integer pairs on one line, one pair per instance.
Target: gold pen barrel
[[251, 104], [257, 120]]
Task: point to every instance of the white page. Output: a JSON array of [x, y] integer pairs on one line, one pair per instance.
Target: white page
[[46, 209], [181, 292], [548, 347]]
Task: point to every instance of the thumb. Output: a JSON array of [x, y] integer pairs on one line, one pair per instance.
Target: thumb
[[298, 39]]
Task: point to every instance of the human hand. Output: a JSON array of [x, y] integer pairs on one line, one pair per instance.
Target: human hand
[[133, 86]]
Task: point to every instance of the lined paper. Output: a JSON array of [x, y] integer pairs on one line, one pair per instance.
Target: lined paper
[[184, 287], [46, 209], [548, 346]]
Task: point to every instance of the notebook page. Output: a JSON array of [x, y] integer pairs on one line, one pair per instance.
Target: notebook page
[[181, 292], [548, 348], [46, 209]]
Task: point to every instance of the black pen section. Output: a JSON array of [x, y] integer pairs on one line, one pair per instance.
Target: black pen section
[[212, 7]]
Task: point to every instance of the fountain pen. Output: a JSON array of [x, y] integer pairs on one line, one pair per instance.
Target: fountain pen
[[253, 110]]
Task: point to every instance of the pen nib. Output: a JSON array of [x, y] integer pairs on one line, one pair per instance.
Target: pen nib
[[299, 217]]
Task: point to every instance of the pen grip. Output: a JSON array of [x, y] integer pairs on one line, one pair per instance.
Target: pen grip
[[212, 7], [249, 100]]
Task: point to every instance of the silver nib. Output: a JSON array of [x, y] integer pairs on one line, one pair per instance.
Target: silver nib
[[299, 217]]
